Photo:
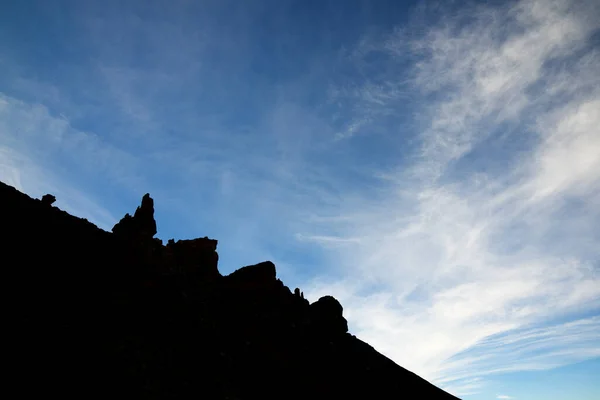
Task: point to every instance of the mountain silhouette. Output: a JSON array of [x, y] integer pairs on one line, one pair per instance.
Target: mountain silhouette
[[97, 314]]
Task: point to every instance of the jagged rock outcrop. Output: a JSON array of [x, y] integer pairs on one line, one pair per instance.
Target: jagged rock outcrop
[[94, 314], [298, 293], [142, 224], [261, 273], [195, 257]]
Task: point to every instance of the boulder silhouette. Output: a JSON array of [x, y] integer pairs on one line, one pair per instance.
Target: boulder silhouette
[[48, 199], [326, 314]]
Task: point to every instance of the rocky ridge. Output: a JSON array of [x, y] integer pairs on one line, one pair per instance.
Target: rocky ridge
[[96, 314]]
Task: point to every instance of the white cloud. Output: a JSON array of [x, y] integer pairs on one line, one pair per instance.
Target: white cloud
[[568, 157], [461, 251], [8, 173], [504, 397], [26, 176], [327, 239], [487, 76]]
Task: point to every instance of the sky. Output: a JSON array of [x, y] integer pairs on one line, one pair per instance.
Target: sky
[[435, 166]]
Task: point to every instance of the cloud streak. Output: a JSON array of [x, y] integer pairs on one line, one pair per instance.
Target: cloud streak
[[492, 228], [39, 152]]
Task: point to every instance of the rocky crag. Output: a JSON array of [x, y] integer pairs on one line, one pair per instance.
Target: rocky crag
[[95, 314]]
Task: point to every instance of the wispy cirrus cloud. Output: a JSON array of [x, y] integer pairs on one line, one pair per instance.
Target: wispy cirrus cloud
[[42, 153], [492, 226], [441, 179]]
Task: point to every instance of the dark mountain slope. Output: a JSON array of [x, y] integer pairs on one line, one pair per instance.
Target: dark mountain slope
[[97, 314]]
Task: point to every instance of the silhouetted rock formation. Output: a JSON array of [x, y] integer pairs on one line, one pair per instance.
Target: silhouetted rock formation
[[195, 257], [48, 199], [94, 314], [142, 224], [326, 314], [261, 273]]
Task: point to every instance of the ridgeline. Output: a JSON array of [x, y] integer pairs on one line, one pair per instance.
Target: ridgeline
[[96, 314]]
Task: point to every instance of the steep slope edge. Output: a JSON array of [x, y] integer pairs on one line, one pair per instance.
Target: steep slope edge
[[96, 314]]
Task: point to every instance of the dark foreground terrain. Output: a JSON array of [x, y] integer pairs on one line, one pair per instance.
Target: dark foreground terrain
[[93, 314]]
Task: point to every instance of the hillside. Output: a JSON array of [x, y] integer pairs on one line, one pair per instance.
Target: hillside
[[95, 314]]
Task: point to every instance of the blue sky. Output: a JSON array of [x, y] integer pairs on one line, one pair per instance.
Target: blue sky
[[435, 166]]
